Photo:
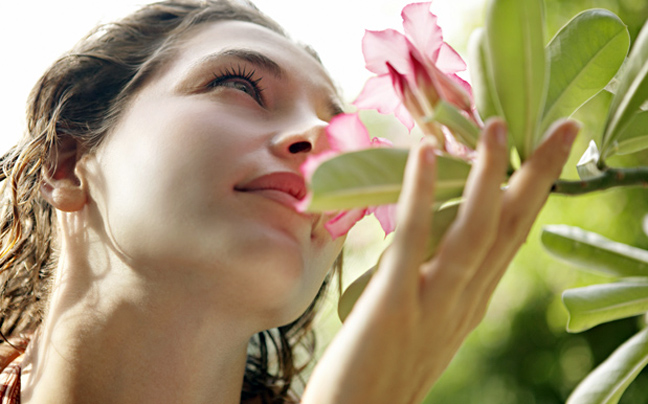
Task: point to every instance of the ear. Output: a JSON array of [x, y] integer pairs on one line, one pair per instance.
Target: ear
[[61, 185]]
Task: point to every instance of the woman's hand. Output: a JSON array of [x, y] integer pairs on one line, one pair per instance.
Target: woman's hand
[[414, 315]]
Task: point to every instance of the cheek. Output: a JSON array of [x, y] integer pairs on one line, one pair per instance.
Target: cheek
[[160, 168]]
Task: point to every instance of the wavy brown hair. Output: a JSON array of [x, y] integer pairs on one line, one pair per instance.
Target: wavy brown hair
[[80, 98]]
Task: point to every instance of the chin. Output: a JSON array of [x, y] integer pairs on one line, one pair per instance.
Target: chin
[[284, 294], [286, 315]]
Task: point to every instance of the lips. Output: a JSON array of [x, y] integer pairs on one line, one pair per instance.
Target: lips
[[284, 187]]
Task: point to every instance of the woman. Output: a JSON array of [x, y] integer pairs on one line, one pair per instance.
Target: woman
[[152, 252]]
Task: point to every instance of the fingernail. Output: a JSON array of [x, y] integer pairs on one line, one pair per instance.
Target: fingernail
[[569, 135], [500, 134], [429, 152], [430, 155]]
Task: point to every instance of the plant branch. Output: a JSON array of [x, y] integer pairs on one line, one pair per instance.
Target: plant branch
[[609, 178]]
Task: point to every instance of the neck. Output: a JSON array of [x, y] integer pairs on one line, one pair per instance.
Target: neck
[[111, 337]]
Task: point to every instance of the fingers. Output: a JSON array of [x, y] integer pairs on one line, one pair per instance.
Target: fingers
[[529, 187], [407, 251], [471, 235], [528, 190]]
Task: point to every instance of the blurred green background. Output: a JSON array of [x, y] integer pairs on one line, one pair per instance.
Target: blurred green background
[[521, 353]]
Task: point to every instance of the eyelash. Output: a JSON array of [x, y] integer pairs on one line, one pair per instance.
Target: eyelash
[[242, 73]]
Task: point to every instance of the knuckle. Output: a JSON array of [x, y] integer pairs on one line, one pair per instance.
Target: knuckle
[[477, 318], [456, 269], [512, 223]]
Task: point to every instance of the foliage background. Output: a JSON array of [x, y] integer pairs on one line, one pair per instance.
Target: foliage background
[[521, 353]]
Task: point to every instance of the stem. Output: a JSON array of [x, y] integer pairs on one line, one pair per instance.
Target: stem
[[610, 178]]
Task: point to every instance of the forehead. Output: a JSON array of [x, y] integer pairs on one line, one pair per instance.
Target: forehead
[[217, 38]]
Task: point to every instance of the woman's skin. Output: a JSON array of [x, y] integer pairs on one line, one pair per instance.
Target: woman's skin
[[172, 258], [175, 251]]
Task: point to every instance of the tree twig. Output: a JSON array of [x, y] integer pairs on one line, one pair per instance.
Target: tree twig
[[610, 178]]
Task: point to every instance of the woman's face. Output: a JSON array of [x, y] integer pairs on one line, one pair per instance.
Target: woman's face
[[197, 182]]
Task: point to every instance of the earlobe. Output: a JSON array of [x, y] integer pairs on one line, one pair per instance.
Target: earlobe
[[64, 195], [61, 186]]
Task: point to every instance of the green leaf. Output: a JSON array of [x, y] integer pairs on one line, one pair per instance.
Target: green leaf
[[441, 221], [352, 293], [481, 76], [593, 114], [598, 304], [634, 137], [516, 55], [594, 252], [583, 57], [631, 93], [463, 129], [607, 383], [374, 177]]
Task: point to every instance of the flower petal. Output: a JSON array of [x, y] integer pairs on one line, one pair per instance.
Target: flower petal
[[404, 116], [386, 215], [452, 89], [343, 222], [379, 47], [302, 205], [378, 94], [456, 148], [422, 29], [346, 132], [381, 142], [463, 83], [448, 60]]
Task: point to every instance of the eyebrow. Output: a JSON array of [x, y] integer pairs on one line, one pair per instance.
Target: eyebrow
[[247, 55]]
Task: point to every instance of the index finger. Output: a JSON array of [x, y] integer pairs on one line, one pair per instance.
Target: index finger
[[408, 250]]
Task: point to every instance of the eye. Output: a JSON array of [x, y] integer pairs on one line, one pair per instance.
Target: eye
[[241, 79]]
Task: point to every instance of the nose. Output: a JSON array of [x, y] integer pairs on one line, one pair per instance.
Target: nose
[[309, 137]]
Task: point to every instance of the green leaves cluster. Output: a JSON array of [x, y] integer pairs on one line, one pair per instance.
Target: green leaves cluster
[[532, 85], [624, 130], [593, 305]]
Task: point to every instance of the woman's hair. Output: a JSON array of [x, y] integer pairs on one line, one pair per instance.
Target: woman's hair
[[80, 98]]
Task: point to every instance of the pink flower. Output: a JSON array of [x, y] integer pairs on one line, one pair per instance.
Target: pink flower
[[347, 133], [420, 50]]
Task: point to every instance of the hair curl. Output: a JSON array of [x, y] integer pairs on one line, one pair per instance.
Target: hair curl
[[80, 97]]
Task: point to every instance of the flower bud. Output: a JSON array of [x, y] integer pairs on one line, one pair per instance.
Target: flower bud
[[417, 104]]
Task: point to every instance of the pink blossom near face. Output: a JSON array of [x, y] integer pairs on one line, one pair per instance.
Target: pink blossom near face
[[347, 133]]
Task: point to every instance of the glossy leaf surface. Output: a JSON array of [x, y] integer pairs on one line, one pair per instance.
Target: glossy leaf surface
[[607, 383], [516, 54], [481, 76], [634, 136], [374, 177], [631, 92], [583, 57], [595, 252], [597, 304]]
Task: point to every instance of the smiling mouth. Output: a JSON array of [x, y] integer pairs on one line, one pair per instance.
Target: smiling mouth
[[284, 187]]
